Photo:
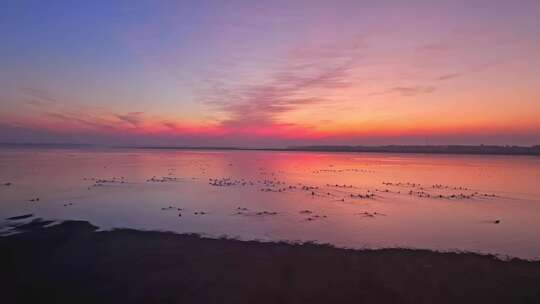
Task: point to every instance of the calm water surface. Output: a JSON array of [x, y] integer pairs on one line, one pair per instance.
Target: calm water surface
[[351, 200]]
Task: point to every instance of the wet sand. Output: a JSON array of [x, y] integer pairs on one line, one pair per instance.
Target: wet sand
[[72, 263]]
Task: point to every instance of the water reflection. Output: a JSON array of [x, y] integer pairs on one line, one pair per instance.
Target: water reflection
[[478, 203]]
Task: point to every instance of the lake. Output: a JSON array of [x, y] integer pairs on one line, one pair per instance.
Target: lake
[[486, 204]]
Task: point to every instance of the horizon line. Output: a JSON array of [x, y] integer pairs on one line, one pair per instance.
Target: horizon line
[[481, 149]]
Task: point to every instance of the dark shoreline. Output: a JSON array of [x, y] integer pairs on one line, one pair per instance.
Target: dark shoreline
[[72, 263], [399, 149]]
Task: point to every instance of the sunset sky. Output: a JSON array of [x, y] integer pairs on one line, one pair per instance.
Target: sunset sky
[[270, 73]]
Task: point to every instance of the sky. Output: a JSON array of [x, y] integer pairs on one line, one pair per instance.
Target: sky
[[270, 73]]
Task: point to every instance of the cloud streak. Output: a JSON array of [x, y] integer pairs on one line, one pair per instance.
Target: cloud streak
[[448, 76], [264, 106], [39, 94], [406, 91], [134, 119]]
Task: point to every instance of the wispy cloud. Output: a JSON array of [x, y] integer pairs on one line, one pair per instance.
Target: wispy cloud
[[37, 97], [80, 120], [134, 119], [288, 89], [406, 91], [36, 103], [38, 94], [448, 76]]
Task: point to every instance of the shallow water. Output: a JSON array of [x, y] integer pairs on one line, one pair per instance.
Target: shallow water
[[443, 202]]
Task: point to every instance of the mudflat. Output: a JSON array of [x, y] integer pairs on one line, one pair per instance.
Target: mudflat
[[74, 263]]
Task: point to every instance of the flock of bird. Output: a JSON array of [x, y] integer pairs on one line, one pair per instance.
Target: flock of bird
[[422, 191], [342, 171], [335, 192], [100, 182]]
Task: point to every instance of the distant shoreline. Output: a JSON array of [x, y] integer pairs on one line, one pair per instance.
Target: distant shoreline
[[404, 149]]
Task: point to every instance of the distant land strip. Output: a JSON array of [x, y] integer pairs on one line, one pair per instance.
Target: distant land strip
[[436, 149], [428, 149]]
